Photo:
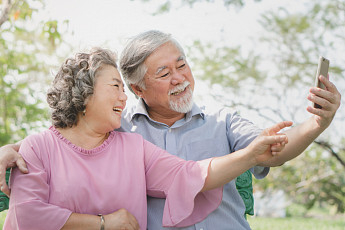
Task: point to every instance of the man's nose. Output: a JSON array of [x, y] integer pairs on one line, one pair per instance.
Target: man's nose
[[177, 78]]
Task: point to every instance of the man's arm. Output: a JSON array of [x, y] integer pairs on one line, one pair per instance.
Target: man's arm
[[9, 157], [301, 136]]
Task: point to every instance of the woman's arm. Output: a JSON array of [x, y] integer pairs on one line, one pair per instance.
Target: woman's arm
[[266, 146], [121, 219], [30, 195], [193, 189], [30, 207]]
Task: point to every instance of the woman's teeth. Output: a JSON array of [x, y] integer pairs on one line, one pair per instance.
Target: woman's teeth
[[117, 110]]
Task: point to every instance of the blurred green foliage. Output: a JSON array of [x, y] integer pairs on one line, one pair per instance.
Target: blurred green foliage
[[25, 47], [272, 83]]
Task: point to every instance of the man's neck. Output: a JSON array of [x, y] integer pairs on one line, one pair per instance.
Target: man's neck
[[166, 118]]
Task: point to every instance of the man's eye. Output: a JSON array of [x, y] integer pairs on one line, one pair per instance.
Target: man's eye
[[181, 66], [116, 85], [164, 75]]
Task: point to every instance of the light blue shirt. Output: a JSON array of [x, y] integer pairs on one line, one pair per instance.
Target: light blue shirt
[[199, 135]]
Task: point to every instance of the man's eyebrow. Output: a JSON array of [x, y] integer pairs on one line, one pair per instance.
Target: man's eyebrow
[[180, 58], [160, 69]]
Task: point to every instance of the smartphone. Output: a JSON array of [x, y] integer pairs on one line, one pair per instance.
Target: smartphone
[[322, 69]]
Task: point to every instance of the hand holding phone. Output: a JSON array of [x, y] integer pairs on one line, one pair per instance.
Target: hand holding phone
[[322, 69]]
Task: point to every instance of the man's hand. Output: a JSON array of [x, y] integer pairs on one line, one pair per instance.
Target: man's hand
[[9, 157], [269, 143], [328, 99], [121, 219]]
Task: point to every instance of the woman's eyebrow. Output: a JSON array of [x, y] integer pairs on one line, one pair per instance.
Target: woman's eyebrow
[[118, 81]]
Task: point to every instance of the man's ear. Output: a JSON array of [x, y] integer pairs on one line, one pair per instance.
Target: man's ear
[[137, 90]]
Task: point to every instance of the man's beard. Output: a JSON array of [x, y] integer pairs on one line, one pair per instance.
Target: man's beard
[[185, 103]]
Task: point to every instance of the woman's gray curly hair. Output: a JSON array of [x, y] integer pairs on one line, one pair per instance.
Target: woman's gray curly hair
[[74, 84]]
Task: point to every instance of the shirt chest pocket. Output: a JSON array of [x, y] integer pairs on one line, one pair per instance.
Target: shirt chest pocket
[[203, 149]]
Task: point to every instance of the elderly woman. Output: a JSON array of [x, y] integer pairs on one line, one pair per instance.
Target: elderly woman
[[80, 168]]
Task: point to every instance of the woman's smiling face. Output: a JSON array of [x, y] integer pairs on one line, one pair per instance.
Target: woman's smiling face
[[105, 105]]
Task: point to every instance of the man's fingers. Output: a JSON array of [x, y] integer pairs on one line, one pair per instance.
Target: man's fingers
[[3, 186], [5, 189], [328, 99], [21, 165], [329, 85]]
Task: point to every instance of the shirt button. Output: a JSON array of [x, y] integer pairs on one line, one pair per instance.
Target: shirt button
[[169, 130], [201, 229]]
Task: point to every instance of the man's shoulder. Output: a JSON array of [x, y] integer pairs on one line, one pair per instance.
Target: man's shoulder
[[218, 112]]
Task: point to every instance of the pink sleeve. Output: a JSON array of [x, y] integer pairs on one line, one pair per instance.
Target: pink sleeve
[[180, 182], [29, 207]]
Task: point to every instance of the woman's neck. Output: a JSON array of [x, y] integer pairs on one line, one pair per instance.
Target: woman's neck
[[84, 138]]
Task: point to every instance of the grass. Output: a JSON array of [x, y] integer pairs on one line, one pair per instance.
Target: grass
[[262, 223], [295, 223], [2, 218]]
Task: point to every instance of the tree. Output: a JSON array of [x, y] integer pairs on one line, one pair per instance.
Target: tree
[[271, 83], [167, 5], [279, 77], [25, 47]]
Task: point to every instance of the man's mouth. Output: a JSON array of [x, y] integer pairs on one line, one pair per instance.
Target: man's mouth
[[179, 89], [178, 92]]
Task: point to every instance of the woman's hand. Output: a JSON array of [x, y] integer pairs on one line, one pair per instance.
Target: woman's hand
[[121, 219], [269, 143]]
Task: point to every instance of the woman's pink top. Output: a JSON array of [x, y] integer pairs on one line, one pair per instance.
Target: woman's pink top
[[64, 178]]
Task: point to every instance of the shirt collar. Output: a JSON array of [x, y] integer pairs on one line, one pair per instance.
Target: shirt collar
[[140, 109]]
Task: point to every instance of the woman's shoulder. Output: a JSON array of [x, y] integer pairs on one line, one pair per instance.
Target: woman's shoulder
[[40, 136], [129, 139], [128, 135], [44, 140]]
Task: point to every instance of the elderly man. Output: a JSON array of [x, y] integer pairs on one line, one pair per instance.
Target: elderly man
[[155, 68]]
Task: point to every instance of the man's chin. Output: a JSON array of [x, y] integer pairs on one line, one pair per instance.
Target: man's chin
[[182, 107]]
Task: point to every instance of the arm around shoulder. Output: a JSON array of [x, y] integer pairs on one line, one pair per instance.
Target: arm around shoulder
[[9, 157]]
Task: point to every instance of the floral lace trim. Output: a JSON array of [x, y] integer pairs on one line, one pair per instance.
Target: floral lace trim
[[81, 150]]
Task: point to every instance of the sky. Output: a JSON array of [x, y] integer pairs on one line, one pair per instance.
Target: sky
[[98, 21], [111, 23]]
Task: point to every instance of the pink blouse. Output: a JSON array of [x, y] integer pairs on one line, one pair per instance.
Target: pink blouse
[[64, 178]]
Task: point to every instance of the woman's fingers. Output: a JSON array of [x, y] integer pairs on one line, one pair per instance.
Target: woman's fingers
[[279, 126]]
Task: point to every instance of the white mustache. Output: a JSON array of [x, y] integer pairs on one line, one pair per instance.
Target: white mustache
[[180, 87]]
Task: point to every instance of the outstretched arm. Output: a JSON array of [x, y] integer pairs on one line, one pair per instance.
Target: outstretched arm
[[266, 146], [301, 136], [9, 157]]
